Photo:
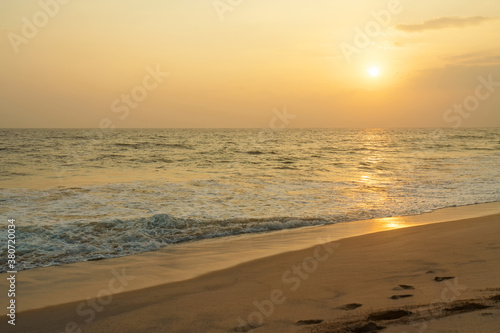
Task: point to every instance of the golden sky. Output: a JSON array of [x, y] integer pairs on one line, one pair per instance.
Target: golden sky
[[230, 63]]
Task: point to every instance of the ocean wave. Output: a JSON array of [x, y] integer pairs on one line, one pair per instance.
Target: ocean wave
[[13, 174], [64, 243], [174, 145], [48, 245], [138, 145]]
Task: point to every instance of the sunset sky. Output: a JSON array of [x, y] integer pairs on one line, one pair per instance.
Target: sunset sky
[[331, 63]]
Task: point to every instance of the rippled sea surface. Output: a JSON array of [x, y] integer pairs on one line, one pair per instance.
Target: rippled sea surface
[[87, 194]]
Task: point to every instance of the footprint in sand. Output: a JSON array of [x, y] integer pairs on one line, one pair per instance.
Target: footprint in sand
[[400, 296], [350, 306], [466, 307], [389, 315], [403, 287], [442, 278], [309, 322]]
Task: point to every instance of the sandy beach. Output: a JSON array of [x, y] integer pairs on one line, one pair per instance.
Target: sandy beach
[[441, 277]]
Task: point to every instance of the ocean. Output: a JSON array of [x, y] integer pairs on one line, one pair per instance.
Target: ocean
[[83, 194]]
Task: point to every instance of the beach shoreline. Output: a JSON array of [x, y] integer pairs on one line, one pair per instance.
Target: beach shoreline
[[53, 285], [116, 287]]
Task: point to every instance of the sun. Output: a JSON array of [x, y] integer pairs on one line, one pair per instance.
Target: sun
[[373, 71]]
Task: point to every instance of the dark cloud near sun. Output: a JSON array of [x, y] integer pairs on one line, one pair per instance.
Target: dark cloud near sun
[[443, 23]]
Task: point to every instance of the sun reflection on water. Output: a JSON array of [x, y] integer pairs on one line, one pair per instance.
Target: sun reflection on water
[[389, 223]]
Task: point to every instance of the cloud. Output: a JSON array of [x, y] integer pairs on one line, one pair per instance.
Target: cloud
[[475, 58], [443, 23]]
